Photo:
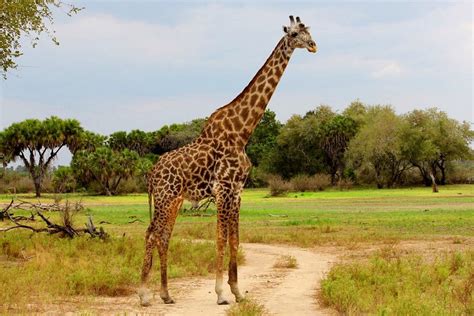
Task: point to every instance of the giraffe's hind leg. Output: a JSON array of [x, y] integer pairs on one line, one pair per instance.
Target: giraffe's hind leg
[[163, 244], [158, 235], [150, 241]]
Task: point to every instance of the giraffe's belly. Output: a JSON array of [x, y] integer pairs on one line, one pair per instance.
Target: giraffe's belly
[[195, 192]]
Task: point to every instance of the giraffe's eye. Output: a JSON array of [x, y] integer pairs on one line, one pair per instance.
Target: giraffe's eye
[[294, 34]]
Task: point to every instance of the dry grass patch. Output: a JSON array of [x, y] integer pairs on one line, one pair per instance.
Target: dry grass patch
[[42, 268], [249, 307], [286, 262]]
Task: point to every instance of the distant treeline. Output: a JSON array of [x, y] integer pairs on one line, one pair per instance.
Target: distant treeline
[[362, 145]]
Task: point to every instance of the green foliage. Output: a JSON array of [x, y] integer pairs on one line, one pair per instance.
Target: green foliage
[[377, 147], [64, 180], [392, 283], [25, 17], [431, 139], [315, 143], [176, 135], [263, 139], [105, 167], [137, 140], [37, 143], [88, 141]]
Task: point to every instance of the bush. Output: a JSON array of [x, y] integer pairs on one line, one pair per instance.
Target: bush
[[460, 172], [63, 180], [256, 178], [345, 184], [132, 185], [302, 183], [317, 182], [277, 185]]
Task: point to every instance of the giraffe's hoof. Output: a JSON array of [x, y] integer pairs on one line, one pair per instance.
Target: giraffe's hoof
[[168, 300], [239, 298], [145, 297], [222, 302]]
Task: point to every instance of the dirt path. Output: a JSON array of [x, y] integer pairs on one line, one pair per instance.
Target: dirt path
[[282, 291]]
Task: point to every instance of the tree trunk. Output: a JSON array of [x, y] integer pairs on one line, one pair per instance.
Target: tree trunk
[[434, 185], [37, 182], [443, 174]]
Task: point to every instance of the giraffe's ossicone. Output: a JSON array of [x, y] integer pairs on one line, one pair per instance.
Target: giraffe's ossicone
[[215, 164]]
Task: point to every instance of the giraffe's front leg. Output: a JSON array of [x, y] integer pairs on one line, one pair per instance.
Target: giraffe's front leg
[[222, 232]]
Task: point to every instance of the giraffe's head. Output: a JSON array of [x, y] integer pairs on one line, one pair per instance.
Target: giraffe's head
[[298, 35]]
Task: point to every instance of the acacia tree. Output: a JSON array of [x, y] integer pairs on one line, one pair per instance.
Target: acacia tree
[[37, 143], [431, 139], [377, 147], [25, 17]]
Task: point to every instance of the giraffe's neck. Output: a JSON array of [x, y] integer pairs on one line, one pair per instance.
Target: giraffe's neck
[[235, 122]]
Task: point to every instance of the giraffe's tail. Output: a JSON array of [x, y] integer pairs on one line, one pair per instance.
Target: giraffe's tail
[[150, 197], [150, 205]]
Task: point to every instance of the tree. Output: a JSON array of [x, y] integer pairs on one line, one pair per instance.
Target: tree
[[25, 17], [377, 147], [88, 141], [136, 140], [64, 180], [105, 166], [263, 138], [298, 149], [176, 135], [334, 140], [37, 143], [431, 139]]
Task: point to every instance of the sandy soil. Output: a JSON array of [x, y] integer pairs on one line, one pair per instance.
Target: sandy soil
[[282, 291]]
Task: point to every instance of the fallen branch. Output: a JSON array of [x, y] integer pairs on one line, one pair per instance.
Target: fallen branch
[[65, 229], [199, 209]]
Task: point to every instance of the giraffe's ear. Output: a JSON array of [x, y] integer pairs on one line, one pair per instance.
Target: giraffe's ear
[[285, 29]]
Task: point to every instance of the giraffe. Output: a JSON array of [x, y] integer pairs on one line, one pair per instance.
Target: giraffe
[[215, 164]]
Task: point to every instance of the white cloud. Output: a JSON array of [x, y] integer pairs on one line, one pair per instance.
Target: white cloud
[[388, 70]]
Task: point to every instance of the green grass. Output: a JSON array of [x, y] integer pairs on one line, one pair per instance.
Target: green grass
[[312, 218], [58, 267], [390, 283]]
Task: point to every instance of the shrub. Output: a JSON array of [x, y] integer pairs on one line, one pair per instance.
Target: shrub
[[286, 262], [277, 185], [345, 184], [256, 178], [63, 180], [317, 182], [302, 183], [248, 307], [461, 172]]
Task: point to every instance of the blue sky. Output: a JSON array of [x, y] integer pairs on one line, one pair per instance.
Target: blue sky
[[142, 64]]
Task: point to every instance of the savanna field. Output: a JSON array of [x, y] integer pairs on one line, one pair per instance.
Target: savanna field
[[400, 251]]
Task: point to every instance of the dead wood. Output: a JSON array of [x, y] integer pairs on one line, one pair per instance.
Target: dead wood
[[65, 229]]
